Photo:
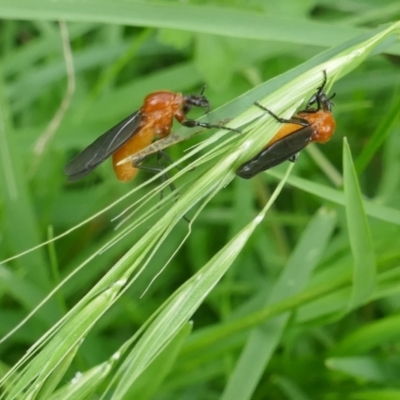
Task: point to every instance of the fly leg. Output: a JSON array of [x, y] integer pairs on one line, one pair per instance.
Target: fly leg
[[192, 123], [156, 170], [293, 120], [163, 154], [164, 177]]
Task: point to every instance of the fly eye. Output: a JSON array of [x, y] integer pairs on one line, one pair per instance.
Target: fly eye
[[204, 102], [200, 101]]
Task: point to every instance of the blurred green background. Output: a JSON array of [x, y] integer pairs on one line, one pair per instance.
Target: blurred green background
[[326, 350]]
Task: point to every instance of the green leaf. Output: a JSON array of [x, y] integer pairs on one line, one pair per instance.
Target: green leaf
[[213, 20], [366, 338], [364, 275], [183, 303], [146, 386], [363, 367], [263, 340]]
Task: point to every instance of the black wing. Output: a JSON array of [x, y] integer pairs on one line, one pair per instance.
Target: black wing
[[93, 155], [280, 151]]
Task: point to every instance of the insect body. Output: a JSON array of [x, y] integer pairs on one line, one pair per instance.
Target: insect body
[[308, 125], [152, 121]]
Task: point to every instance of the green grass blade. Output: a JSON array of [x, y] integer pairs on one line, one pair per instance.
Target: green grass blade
[[84, 385], [263, 340], [365, 367], [57, 349], [183, 303], [284, 93], [372, 209], [384, 394], [389, 122], [58, 374], [366, 338], [218, 21], [18, 219], [148, 383], [359, 234]]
